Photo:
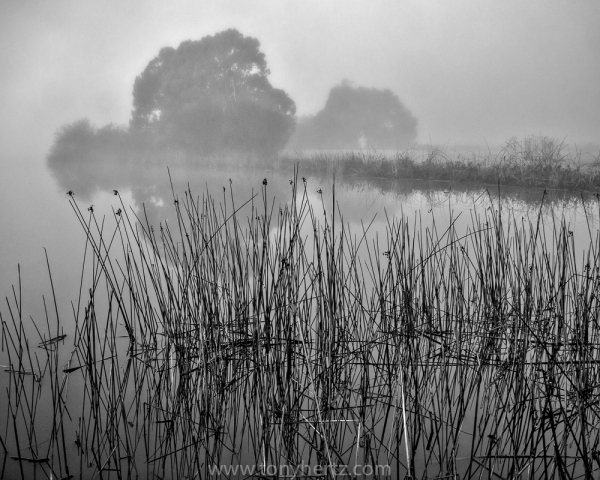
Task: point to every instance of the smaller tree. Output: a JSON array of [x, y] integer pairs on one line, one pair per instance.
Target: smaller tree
[[71, 141], [355, 115], [82, 155]]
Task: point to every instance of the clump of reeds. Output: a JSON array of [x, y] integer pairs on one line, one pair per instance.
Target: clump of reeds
[[534, 161], [276, 337]]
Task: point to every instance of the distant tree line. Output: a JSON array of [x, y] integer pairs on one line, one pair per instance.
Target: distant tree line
[[214, 95]]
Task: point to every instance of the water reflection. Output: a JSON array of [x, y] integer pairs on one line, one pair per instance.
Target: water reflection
[[156, 187], [366, 207]]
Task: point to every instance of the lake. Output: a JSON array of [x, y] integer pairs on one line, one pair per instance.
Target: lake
[[342, 347]]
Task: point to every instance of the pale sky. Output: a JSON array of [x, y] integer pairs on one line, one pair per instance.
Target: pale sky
[[471, 71]]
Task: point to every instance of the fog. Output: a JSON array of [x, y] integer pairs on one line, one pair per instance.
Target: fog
[[471, 71]]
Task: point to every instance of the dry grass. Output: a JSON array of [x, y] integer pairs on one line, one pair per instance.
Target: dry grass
[[535, 161]]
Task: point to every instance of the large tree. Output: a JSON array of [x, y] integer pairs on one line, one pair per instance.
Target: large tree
[[213, 94], [358, 116]]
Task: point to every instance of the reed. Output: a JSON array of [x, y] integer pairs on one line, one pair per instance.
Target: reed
[[277, 338]]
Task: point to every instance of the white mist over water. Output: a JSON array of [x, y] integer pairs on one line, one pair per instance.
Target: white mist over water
[[36, 214], [471, 71]]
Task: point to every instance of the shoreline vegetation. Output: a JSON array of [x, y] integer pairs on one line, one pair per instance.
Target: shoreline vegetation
[[534, 161], [531, 162], [282, 338]]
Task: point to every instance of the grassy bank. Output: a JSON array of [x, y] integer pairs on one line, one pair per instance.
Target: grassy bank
[[279, 338], [538, 162], [534, 161]]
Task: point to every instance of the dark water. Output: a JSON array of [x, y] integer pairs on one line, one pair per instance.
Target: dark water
[[37, 216]]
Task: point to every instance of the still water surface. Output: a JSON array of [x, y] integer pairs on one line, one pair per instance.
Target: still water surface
[[36, 215], [37, 219]]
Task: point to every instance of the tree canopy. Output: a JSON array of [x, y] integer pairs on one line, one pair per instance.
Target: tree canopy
[[358, 115], [213, 94]]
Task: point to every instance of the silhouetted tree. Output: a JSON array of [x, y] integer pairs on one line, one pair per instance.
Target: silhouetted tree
[[355, 115], [80, 143], [213, 94]]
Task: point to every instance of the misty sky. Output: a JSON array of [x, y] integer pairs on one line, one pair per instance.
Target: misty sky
[[470, 70]]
